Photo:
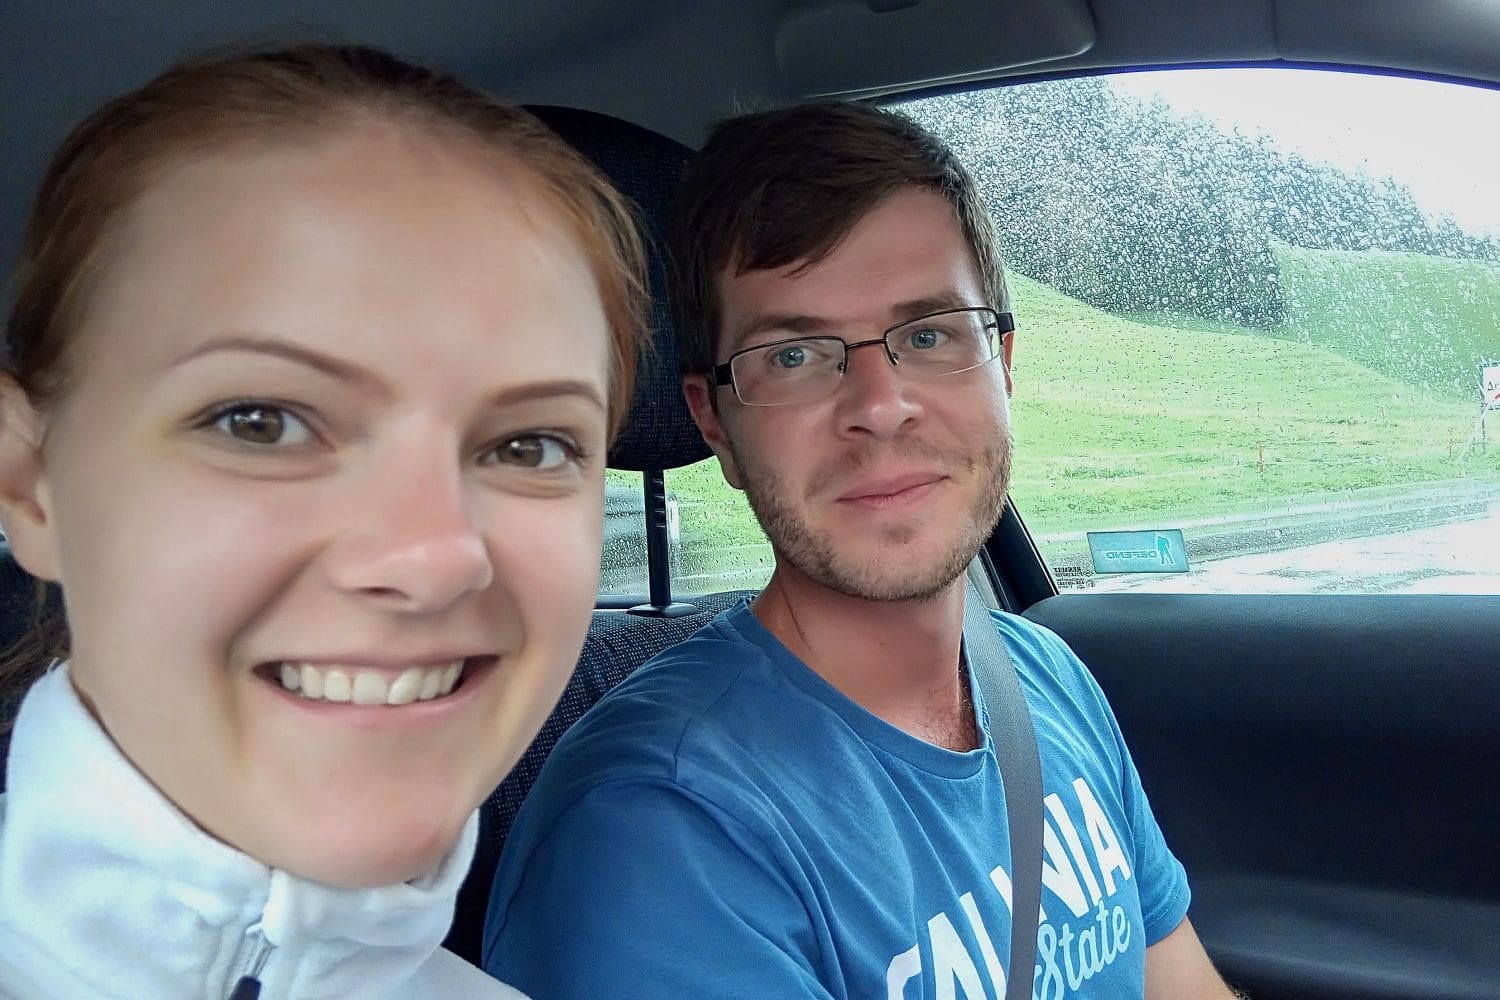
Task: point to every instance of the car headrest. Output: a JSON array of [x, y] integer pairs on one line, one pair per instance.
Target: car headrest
[[647, 168]]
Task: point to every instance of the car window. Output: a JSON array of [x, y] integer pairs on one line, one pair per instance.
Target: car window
[[1259, 313], [1259, 317], [721, 546]]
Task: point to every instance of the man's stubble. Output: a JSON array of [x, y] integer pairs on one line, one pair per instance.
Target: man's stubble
[[889, 575]]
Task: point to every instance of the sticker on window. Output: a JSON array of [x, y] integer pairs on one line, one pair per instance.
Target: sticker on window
[[1155, 551]]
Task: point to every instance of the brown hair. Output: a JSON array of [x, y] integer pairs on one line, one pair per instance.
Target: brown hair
[[776, 188], [206, 106]]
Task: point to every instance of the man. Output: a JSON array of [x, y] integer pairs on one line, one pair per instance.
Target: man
[[800, 801]]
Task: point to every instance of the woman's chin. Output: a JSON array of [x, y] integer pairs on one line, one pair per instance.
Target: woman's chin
[[380, 853]]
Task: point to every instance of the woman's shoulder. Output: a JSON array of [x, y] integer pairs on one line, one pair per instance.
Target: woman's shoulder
[[446, 975]]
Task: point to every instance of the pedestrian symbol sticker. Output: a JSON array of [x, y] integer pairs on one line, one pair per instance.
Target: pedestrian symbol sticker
[[1152, 551]]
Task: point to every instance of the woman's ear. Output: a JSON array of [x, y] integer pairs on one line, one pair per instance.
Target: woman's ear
[[25, 509], [698, 393]]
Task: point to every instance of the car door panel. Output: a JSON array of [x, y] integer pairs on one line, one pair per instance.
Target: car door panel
[[1326, 768]]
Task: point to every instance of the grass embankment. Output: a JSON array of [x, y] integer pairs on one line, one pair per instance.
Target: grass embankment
[[1424, 321], [1120, 421]]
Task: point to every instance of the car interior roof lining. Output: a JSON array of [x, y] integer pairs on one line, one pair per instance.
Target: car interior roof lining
[[678, 68]]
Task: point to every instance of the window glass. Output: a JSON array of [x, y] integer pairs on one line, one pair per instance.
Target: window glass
[[622, 568], [714, 541], [721, 545], [1255, 312]]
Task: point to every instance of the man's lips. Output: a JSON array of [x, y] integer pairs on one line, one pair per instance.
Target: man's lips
[[889, 487]]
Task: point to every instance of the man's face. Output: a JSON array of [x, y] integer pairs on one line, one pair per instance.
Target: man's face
[[885, 488]]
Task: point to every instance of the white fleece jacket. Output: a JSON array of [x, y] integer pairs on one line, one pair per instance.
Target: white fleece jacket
[[107, 890]]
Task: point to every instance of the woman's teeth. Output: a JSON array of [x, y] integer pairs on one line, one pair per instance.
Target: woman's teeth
[[370, 687]]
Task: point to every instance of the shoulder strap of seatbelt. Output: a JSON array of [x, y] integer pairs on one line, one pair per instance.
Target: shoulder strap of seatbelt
[[1014, 740]]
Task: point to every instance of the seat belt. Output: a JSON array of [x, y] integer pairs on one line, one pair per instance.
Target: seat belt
[[1014, 739]]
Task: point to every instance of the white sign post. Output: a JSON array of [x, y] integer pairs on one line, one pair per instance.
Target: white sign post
[[1489, 397], [1489, 383]]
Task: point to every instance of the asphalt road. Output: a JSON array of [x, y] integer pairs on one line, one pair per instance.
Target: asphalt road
[[1458, 558]]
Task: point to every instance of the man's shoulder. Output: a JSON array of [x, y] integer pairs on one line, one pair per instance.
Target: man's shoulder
[[1058, 685], [1037, 651], [698, 699]]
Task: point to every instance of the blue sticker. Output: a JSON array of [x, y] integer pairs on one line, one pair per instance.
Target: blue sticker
[[1138, 551]]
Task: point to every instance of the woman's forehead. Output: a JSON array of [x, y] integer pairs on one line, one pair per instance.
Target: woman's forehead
[[357, 242]]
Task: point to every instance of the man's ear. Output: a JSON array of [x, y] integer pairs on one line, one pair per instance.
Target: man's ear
[[699, 396], [25, 508], [1007, 346]]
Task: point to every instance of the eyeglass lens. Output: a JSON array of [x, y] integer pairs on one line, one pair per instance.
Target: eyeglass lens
[[808, 367]]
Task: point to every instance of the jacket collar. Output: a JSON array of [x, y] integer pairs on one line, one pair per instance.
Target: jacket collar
[[113, 883]]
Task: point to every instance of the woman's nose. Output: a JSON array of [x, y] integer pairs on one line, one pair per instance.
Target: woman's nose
[[413, 543]]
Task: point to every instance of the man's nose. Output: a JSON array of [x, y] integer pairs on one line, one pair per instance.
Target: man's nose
[[412, 542], [874, 395]]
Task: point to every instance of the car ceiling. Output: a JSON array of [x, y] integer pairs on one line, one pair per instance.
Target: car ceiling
[[679, 65]]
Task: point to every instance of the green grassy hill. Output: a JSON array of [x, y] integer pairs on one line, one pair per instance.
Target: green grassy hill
[[1118, 420], [1425, 321]]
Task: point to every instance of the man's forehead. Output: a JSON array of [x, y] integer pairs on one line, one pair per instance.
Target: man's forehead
[[908, 250]]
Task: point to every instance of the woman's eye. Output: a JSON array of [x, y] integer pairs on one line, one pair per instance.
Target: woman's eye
[[537, 451], [263, 424]]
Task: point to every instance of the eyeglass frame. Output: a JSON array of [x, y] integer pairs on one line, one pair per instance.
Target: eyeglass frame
[[723, 374]]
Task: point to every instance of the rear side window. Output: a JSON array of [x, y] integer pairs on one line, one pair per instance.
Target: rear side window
[[714, 541], [1259, 312]]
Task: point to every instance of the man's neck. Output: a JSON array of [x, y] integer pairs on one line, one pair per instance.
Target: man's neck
[[899, 660]]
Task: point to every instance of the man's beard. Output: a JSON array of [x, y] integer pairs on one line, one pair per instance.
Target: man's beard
[[888, 575]]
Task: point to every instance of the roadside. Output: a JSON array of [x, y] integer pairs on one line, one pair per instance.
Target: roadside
[[1343, 516]]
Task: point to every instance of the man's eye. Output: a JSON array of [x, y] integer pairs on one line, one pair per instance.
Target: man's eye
[[810, 354], [926, 338], [537, 451], [794, 356], [263, 424]]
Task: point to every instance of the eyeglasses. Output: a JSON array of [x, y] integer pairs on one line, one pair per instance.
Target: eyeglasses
[[802, 369]]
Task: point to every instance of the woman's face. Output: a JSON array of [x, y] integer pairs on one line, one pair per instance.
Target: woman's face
[[337, 424]]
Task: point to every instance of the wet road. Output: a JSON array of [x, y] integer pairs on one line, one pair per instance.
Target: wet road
[[1459, 558]]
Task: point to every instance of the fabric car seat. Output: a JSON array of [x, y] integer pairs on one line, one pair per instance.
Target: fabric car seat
[[659, 434]]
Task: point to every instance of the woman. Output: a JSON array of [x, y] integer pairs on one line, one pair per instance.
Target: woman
[[313, 363]]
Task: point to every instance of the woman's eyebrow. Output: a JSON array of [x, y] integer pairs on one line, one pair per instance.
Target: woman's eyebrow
[[549, 389], [355, 375], [290, 351]]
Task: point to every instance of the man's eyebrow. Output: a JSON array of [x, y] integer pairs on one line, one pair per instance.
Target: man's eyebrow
[[783, 322], [798, 324], [288, 350], [912, 308]]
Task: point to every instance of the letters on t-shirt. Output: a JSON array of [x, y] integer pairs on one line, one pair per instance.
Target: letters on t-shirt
[[1076, 941]]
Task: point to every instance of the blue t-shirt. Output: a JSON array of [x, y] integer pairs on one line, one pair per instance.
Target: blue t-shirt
[[725, 823]]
